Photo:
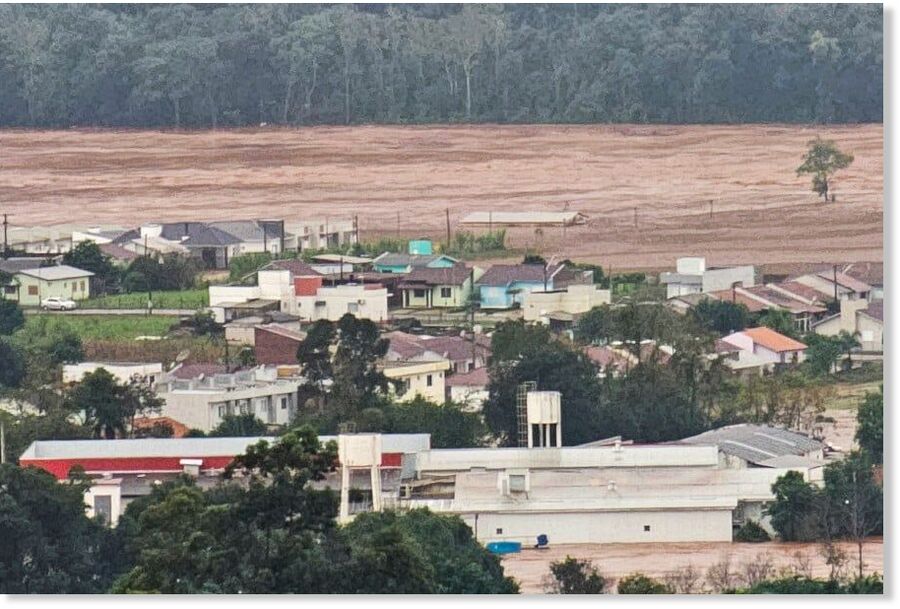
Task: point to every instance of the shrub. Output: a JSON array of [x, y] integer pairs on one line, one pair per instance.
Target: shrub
[[573, 576], [751, 532], [638, 583]]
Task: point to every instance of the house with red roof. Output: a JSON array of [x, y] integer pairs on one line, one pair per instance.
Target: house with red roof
[[769, 345]]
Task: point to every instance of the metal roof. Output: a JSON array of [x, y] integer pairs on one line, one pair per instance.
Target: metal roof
[[55, 273], [756, 443], [504, 274]]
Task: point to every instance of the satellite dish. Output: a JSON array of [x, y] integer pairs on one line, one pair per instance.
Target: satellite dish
[[182, 356]]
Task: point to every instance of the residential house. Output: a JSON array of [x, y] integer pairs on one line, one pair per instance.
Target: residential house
[[413, 379], [743, 363], [30, 286], [241, 331], [769, 344], [574, 299], [692, 276], [40, 240], [469, 389], [829, 283], [504, 286], [859, 317], [450, 287], [123, 372], [391, 262], [200, 396], [780, 297], [276, 345], [320, 234], [870, 273], [464, 352]]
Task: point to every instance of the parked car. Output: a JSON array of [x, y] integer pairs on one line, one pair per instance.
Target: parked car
[[55, 303]]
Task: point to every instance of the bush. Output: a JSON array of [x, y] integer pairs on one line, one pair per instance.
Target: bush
[[573, 576], [751, 532], [638, 583]]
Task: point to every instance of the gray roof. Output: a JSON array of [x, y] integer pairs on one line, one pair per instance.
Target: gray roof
[[504, 274], [756, 444], [248, 230], [875, 310], [14, 265], [454, 275], [401, 259], [681, 278], [198, 234], [54, 273]]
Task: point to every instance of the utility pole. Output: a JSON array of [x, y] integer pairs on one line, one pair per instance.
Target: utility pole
[[834, 271], [149, 287], [710, 209], [2, 442], [472, 311], [635, 217], [398, 224], [356, 228], [448, 227], [5, 237]]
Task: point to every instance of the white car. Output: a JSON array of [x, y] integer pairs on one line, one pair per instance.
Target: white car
[[55, 303]]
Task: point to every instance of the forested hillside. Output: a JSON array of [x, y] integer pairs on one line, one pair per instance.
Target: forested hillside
[[218, 65]]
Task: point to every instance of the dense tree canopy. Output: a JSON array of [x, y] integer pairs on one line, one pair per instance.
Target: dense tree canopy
[[214, 65]]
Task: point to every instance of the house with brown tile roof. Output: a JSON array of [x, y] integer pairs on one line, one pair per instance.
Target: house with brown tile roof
[[769, 344], [447, 287], [504, 286]]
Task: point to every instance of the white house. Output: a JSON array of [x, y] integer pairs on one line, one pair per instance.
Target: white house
[[123, 372], [769, 344], [692, 276], [860, 317]]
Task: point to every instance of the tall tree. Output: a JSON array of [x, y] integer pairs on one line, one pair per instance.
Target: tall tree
[[823, 159], [870, 425]]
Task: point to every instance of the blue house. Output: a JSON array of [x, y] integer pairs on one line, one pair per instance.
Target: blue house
[[390, 262], [504, 286]]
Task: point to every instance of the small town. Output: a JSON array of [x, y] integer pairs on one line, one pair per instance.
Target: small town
[[462, 399]]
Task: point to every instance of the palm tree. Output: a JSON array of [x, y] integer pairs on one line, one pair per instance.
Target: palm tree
[[848, 342]]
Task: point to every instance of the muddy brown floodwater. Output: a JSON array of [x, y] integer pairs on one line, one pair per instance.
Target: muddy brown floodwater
[[614, 561], [762, 211]]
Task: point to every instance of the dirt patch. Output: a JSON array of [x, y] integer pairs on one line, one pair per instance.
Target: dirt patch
[[614, 561], [399, 180]]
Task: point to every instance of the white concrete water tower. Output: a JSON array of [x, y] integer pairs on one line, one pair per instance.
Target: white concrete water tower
[[544, 415], [359, 451]]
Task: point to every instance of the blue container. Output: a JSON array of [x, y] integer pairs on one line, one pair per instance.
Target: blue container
[[504, 547]]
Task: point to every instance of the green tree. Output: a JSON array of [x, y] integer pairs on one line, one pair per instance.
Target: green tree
[[855, 502], [109, 408], [751, 532], [721, 316], [792, 513], [823, 159], [11, 317], [49, 545], [448, 424], [88, 256], [779, 320], [573, 576], [432, 553], [822, 354], [12, 365], [357, 379], [239, 425], [638, 583], [847, 342], [870, 425], [314, 353]]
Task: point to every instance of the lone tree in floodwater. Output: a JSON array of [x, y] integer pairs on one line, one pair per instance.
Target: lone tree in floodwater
[[822, 160]]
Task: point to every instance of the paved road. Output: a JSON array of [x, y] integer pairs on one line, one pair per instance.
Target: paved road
[[162, 312]]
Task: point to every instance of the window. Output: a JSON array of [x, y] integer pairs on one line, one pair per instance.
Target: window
[[284, 403], [9, 289], [446, 292], [352, 307], [32, 290], [222, 412], [103, 508], [82, 285], [418, 293], [868, 336], [646, 528], [499, 531], [428, 380]]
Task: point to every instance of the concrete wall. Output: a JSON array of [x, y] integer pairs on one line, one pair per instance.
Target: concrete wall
[[604, 527], [123, 372], [722, 279], [576, 299]]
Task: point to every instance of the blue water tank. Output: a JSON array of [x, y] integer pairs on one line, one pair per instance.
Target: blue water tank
[[420, 247]]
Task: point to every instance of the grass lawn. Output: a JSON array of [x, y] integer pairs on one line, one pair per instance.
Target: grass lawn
[[180, 299], [847, 396], [111, 327]]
